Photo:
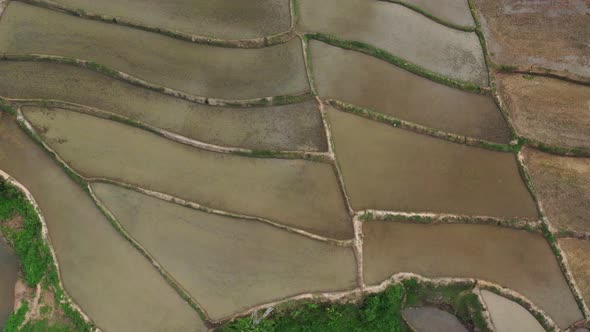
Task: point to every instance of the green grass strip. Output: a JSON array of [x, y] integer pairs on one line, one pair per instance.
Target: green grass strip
[[433, 17], [395, 60]]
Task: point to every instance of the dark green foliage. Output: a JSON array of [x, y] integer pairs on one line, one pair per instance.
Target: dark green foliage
[[463, 303], [16, 318], [27, 242], [5, 107], [45, 326], [379, 312]]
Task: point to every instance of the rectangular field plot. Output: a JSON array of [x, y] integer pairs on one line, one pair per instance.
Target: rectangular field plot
[[388, 168], [228, 264], [298, 193], [220, 72], [289, 127]]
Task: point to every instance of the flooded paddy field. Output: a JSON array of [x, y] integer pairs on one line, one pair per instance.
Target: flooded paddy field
[[400, 31], [8, 276], [104, 274], [563, 187], [516, 259], [217, 72], [234, 19], [456, 12], [368, 82], [289, 127], [298, 193], [429, 319], [228, 264], [405, 171], [549, 110], [546, 34], [508, 315], [577, 253]]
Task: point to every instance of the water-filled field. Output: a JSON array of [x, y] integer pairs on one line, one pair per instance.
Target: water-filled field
[[234, 19], [288, 127], [377, 85], [288, 165], [99, 268], [193, 68], [399, 31], [298, 193], [516, 259], [228, 264], [406, 171]]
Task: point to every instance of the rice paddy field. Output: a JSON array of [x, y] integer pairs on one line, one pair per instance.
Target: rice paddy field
[[294, 165]]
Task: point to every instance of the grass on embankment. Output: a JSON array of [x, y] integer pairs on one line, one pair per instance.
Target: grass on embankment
[[36, 262], [377, 312]]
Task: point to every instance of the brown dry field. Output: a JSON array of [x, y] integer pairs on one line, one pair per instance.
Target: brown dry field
[[549, 110], [546, 34], [577, 253], [563, 187]]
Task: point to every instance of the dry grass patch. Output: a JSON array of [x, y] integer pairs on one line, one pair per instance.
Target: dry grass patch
[[577, 253], [548, 110], [548, 34], [563, 187]]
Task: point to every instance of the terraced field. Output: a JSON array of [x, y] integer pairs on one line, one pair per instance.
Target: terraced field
[[235, 166]]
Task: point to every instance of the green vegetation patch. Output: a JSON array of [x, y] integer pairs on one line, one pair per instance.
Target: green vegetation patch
[[27, 242], [36, 261], [377, 312], [457, 298]]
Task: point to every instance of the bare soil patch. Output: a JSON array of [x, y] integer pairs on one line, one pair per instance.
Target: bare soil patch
[[563, 187], [548, 34], [548, 110], [577, 253]]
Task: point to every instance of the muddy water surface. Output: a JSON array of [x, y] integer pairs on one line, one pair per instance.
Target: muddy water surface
[[288, 127], [508, 315], [388, 168], [8, 274], [400, 31], [234, 19], [429, 319], [109, 278], [204, 70], [298, 193], [229, 264], [515, 259], [366, 81], [453, 11]]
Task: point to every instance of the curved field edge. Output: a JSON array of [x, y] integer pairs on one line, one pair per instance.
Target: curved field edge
[[551, 235], [537, 312], [447, 23], [379, 307], [36, 255], [258, 42], [114, 73], [397, 61], [84, 183], [277, 154]]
